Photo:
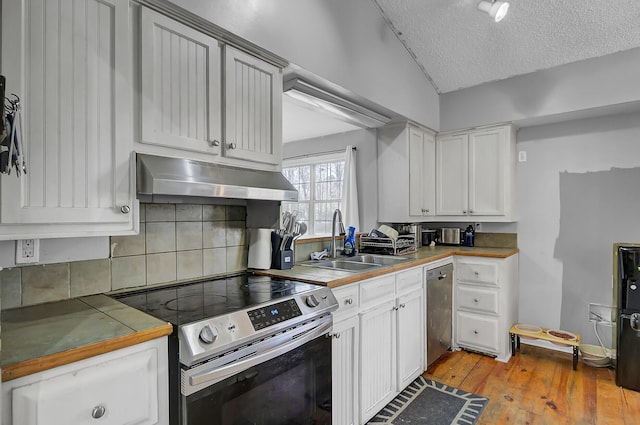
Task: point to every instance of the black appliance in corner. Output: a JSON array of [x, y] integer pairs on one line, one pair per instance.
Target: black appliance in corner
[[628, 328]]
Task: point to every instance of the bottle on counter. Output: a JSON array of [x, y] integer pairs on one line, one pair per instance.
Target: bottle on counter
[[469, 236], [350, 242]]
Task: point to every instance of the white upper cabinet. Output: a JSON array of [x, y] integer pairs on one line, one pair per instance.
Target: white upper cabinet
[[205, 100], [253, 108], [406, 173], [69, 62], [181, 79], [476, 174]]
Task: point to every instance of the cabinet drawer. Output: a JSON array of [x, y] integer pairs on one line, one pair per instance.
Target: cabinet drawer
[[348, 297], [484, 300], [477, 331], [409, 280], [377, 290], [477, 272], [120, 391]]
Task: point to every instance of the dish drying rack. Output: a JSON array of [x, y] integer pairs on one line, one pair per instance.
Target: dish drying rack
[[402, 245]]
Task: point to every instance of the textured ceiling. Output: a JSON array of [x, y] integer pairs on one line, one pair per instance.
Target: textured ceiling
[[459, 46]]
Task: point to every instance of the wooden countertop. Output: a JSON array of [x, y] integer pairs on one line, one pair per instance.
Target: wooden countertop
[[44, 336], [424, 255]]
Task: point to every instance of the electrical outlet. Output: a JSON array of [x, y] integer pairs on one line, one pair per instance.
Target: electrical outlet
[[27, 251]]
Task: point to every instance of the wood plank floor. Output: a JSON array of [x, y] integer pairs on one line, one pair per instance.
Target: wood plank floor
[[538, 387]]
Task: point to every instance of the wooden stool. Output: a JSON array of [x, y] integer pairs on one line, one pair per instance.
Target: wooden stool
[[529, 331]]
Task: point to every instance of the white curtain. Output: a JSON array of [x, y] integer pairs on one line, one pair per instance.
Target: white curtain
[[351, 215]]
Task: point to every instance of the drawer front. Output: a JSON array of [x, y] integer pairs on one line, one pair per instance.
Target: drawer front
[[477, 331], [409, 280], [483, 300], [120, 391], [348, 297], [377, 290], [477, 272]]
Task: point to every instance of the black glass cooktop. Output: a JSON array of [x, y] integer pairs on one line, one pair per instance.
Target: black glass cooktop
[[203, 299]]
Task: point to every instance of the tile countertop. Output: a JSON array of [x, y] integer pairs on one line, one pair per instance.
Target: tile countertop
[[334, 278], [44, 336]]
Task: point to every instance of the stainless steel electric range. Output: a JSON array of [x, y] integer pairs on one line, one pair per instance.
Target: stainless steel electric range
[[245, 349]]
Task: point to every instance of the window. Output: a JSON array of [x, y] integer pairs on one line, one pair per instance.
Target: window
[[319, 184]]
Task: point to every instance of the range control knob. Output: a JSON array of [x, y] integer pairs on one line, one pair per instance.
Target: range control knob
[[207, 334], [312, 301]]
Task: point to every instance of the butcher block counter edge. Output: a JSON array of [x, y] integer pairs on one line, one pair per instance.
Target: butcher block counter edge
[[424, 255], [138, 327]]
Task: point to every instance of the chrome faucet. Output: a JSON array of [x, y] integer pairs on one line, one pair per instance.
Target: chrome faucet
[[336, 214]]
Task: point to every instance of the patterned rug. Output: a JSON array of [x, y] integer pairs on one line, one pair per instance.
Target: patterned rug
[[426, 401]]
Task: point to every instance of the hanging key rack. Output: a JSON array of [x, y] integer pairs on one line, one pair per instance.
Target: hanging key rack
[[11, 148]]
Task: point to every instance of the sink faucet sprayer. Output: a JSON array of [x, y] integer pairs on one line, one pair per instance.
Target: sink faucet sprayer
[[337, 213]]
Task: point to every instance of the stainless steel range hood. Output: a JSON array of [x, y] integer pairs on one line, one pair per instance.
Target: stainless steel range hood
[[176, 177]]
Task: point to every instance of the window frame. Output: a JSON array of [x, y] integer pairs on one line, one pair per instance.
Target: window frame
[[312, 161]]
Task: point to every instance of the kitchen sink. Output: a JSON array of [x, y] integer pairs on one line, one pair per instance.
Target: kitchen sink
[[356, 263], [383, 260], [341, 264]]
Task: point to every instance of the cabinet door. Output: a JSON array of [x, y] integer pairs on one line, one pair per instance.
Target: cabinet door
[[69, 62], [411, 334], [253, 108], [344, 382], [422, 173], [181, 79], [121, 391], [452, 175], [487, 171], [378, 359]]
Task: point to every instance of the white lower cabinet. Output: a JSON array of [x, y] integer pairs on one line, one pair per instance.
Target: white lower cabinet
[[411, 324], [123, 387], [378, 345], [345, 356], [486, 304], [378, 358]]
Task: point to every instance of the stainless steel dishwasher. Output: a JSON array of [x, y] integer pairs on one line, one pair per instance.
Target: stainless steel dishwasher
[[439, 305]]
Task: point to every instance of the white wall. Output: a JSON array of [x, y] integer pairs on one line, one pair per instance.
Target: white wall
[[366, 167], [345, 42], [553, 94], [578, 193]]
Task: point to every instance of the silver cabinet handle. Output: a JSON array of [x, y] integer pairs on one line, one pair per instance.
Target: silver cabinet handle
[[396, 308], [348, 301], [403, 305], [336, 335], [470, 211], [125, 209], [442, 276], [214, 143], [475, 300], [475, 332], [464, 211], [98, 412], [231, 146]]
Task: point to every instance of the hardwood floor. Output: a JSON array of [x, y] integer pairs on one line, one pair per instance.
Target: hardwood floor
[[538, 386]]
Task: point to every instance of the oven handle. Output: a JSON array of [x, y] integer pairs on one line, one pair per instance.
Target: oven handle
[[223, 372]]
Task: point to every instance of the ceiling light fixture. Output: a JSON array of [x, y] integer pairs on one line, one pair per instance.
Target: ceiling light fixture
[[496, 9]]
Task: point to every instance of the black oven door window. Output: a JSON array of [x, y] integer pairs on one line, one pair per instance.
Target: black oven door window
[[294, 388]]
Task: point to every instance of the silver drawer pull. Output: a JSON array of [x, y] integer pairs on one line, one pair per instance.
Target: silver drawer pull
[[403, 305], [475, 300], [98, 412], [214, 143], [475, 332], [125, 209], [348, 301], [231, 145]]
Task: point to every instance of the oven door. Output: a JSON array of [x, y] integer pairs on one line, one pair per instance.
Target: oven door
[[289, 383]]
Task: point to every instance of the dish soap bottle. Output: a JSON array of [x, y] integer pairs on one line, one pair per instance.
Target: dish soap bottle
[[350, 242]]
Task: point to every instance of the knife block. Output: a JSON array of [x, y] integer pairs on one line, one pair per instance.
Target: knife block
[[281, 259]]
